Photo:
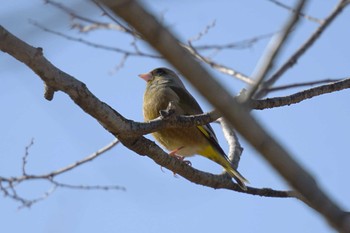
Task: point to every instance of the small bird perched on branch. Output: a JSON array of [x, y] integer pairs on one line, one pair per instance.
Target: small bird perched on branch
[[164, 87]]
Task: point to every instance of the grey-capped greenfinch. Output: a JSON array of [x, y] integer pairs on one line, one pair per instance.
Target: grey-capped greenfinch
[[163, 87]]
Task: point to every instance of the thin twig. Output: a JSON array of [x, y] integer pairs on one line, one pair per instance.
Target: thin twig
[[115, 20], [25, 156], [289, 86], [12, 182], [203, 33], [221, 68], [280, 4], [94, 24], [88, 187], [26, 203], [82, 161], [242, 44], [95, 45]]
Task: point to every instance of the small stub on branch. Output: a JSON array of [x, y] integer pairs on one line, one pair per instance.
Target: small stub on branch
[[49, 92], [169, 111]]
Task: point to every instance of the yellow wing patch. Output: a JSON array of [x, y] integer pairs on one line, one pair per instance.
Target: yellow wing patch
[[204, 131]]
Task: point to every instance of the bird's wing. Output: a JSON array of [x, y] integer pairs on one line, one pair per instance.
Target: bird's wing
[[208, 132], [187, 103], [191, 107]]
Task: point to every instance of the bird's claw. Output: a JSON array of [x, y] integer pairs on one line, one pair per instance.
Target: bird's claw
[[179, 157]]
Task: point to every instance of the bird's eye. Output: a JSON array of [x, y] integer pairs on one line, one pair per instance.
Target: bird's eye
[[159, 72]]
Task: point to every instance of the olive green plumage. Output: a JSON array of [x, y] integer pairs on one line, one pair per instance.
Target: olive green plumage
[[164, 86]]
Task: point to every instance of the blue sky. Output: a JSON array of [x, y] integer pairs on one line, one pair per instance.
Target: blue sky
[[316, 131]]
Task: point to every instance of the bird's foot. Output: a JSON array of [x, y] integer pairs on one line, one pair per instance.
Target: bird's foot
[[173, 153], [179, 157]]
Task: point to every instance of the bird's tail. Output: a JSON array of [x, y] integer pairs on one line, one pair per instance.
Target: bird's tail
[[236, 176], [222, 159]]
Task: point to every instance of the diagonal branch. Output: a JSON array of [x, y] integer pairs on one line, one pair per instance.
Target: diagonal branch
[[274, 49], [112, 121], [167, 45], [84, 160], [221, 68]]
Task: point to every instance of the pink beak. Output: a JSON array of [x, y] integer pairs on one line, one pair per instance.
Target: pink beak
[[146, 76]]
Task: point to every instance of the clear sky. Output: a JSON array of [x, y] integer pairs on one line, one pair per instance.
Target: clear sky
[[315, 131]]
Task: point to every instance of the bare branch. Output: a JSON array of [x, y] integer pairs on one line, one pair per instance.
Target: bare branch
[[274, 49], [11, 193], [202, 33], [246, 43], [67, 168], [85, 160], [93, 24], [121, 127], [10, 190], [238, 116], [88, 187], [120, 27], [173, 121], [25, 157], [216, 66], [49, 92], [280, 4], [235, 149], [303, 48], [115, 20], [28, 203], [289, 86], [300, 96], [113, 121], [96, 45]]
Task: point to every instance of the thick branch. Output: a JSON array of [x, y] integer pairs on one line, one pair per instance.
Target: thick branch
[[120, 127], [239, 117], [144, 146]]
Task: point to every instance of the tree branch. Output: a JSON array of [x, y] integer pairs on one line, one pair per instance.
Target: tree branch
[[239, 117], [115, 123], [280, 4], [242, 44], [14, 181], [299, 96], [275, 47], [221, 68], [96, 45], [235, 149], [303, 48], [303, 84]]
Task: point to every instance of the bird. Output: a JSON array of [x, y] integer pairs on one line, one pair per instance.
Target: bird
[[163, 87]]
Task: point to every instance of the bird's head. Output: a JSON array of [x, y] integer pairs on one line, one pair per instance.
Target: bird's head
[[162, 76]]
